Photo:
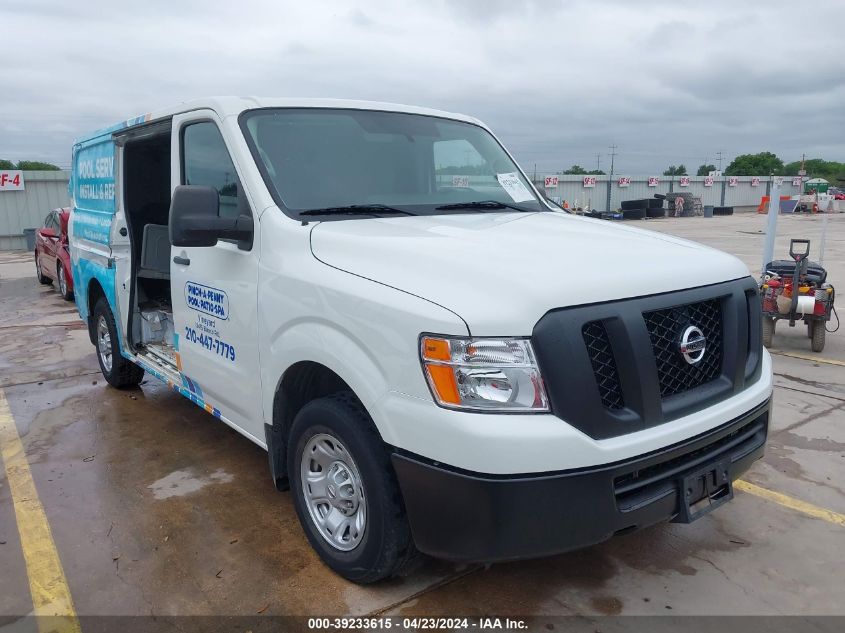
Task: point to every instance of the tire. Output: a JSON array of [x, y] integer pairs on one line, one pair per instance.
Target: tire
[[817, 342], [384, 545], [633, 214], [634, 204], [655, 213], [660, 196], [42, 279], [768, 330], [723, 210], [67, 295], [655, 203], [118, 372]]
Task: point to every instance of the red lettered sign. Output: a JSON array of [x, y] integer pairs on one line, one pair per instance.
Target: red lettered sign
[[653, 181], [755, 182], [708, 181], [589, 181], [11, 180], [684, 181], [733, 181], [551, 181], [624, 181]]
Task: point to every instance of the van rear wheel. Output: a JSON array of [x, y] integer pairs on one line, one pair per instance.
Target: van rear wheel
[[345, 490], [117, 371]]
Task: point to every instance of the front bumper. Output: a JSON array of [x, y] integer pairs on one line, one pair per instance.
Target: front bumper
[[465, 516]]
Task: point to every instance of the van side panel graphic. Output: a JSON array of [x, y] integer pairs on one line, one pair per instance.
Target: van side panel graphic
[[92, 190], [211, 301]]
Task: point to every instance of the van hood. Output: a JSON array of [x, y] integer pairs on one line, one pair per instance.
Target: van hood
[[501, 272]]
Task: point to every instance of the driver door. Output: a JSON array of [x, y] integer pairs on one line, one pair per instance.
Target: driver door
[[214, 288]]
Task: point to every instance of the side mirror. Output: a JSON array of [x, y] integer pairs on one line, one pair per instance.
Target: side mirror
[[195, 220]]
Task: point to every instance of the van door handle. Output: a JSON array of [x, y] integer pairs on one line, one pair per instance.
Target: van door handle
[[182, 261]]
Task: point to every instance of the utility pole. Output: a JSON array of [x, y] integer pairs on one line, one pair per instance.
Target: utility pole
[[612, 149], [802, 173], [719, 154], [598, 162]]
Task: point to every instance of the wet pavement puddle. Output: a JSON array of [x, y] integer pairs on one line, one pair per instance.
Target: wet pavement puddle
[[183, 482]]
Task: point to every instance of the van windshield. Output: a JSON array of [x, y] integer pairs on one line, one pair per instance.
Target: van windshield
[[360, 163]]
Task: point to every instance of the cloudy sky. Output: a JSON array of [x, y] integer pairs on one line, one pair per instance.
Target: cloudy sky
[[667, 82]]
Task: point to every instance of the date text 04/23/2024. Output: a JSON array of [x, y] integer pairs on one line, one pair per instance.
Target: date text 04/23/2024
[[415, 623], [211, 343]]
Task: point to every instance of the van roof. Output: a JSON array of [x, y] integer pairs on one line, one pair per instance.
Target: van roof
[[233, 106]]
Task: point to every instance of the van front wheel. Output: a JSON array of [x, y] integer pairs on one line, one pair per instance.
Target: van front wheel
[[117, 371], [345, 491]]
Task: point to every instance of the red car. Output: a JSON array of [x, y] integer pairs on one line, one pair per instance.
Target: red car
[[52, 257]]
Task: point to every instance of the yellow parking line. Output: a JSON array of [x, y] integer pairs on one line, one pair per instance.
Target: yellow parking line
[[791, 502], [815, 359], [47, 583]]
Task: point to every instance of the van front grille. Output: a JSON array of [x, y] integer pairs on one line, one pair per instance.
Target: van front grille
[[665, 328], [616, 367], [604, 364]]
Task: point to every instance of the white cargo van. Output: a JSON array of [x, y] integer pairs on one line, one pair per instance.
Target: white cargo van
[[434, 358]]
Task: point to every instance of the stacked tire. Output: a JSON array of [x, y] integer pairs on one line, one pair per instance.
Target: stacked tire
[[642, 208], [633, 214], [723, 210], [655, 208]]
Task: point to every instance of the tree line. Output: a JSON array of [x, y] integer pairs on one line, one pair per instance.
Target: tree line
[[28, 165], [760, 164]]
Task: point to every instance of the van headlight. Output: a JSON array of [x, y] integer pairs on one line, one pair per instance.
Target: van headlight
[[483, 374]]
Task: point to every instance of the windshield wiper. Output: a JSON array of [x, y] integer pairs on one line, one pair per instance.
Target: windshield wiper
[[356, 209], [483, 204]]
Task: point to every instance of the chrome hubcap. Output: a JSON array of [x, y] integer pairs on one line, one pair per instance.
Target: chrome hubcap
[[62, 281], [104, 342], [333, 492]]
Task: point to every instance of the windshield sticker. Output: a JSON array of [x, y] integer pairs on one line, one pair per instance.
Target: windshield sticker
[[212, 301], [513, 185]]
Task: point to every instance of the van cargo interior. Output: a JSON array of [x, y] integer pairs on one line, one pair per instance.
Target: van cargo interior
[[146, 199]]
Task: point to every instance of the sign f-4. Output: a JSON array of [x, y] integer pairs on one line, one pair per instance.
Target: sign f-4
[[11, 180]]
